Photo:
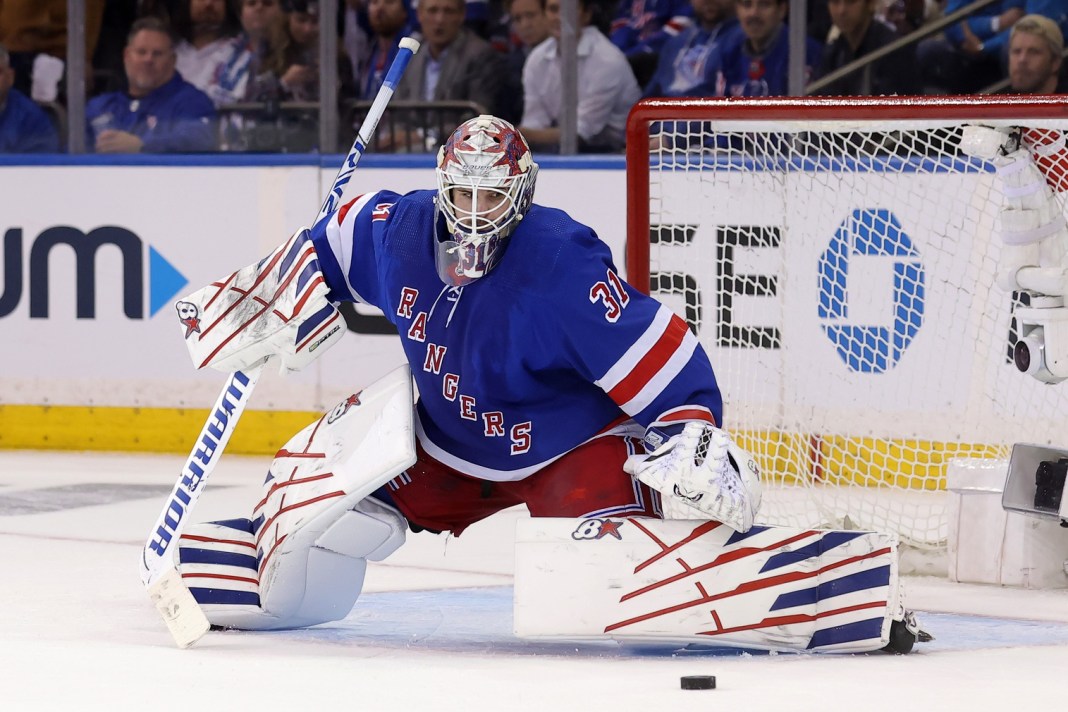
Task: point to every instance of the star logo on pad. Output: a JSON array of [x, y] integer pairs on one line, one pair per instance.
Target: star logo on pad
[[595, 529], [610, 527], [189, 317], [341, 408]]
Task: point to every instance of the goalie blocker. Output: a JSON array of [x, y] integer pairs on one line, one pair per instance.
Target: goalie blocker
[[277, 308]]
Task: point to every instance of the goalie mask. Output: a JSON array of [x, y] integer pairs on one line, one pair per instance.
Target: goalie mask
[[485, 186]]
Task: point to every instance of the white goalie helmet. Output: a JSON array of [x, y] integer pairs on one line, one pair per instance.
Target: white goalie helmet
[[486, 180]]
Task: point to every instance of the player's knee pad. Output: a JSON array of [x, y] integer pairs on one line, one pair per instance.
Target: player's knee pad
[[310, 576], [317, 581]]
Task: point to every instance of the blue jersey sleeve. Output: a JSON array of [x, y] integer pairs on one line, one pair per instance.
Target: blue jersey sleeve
[[25, 127], [346, 246], [366, 240], [179, 118], [981, 24], [665, 65]]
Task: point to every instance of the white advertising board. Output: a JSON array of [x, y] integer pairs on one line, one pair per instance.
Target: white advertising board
[[94, 257], [925, 329]]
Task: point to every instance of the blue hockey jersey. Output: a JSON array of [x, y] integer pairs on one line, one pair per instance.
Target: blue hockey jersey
[[642, 26], [547, 351], [691, 64], [747, 74], [176, 117]]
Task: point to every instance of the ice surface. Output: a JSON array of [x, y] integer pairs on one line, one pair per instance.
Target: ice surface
[[433, 630]]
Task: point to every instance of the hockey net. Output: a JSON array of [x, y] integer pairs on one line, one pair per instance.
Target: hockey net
[[837, 259]]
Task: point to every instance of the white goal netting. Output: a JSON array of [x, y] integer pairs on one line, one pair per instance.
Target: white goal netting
[[840, 271]]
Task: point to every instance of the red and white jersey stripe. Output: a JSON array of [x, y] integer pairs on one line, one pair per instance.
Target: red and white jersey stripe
[[650, 364]]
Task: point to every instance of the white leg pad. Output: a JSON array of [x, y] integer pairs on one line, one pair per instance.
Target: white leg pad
[[772, 588]]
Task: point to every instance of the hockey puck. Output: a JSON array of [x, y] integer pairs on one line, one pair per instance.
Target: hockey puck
[[698, 682]]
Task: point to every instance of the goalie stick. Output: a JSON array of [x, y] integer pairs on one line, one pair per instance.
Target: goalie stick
[[186, 622]]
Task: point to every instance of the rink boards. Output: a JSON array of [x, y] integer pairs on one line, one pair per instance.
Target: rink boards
[[95, 255]]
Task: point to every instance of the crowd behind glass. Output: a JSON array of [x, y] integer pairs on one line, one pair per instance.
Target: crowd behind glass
[[195, 76]]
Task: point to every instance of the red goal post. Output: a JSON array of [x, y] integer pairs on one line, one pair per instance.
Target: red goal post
[[837, 259]]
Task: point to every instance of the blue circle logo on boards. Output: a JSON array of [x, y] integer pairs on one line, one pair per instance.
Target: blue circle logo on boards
[[873, 233]]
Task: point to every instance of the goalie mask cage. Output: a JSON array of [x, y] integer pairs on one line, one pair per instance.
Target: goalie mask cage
[[837, 260]]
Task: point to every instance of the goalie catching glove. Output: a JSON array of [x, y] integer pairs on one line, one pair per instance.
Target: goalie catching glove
[[276, 307], [703, 468], [1029, 162]]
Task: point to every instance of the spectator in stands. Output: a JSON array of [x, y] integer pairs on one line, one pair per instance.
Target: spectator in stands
[[391, 21], [241, 63], [606, 88], [254, 65], [251, 75], [300, 77], [1056, 10], [35, 34], [860, 33], [691, 64], [499, 32], [160, 112], [1036, 47], [757, 66], [296, 61], [530, 27], [907, 16], [454, 64], [108, 73], [641, 28], [479, 16], [356, 36], [24, 126], [299, 55], [207, 29], [968, 57]]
